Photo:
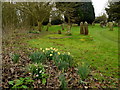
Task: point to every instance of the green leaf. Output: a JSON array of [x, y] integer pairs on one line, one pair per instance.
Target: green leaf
[[11, 82], [43, 81], [24, 86]]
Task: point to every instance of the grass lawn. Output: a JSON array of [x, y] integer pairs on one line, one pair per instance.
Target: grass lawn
[[99, 49]]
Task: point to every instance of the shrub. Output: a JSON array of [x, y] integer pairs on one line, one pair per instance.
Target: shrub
[[83, 71], [37, 57], [22, 83], [15, 58], [38, 72]]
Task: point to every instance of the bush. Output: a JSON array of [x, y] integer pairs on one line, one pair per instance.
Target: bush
[[15, 58], [37, 57], [38, 72]]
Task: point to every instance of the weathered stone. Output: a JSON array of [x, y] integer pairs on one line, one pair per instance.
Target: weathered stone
[[62, 25], [86, 28], [81, 28], [110, 24], [48, 25]]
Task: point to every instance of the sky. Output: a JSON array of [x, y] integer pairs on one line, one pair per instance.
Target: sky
[[99, 6]]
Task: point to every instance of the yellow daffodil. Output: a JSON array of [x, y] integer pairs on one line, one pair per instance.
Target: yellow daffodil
[[40, 48], [56, 50], [82, 39], [50, 54], [68, 53], [51, 47], [43, 50], [47, 49], [58, 53]]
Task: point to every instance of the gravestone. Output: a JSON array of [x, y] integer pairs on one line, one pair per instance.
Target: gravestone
[[62, 25], [110, 24], [86, 28], [81, 28]]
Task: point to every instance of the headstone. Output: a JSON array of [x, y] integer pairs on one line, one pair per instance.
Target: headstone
[[62, 25], [86, 28], [81, 28], [110, 24]]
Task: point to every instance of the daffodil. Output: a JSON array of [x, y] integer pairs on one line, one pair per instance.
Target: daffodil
[[58, 53], [50, 54], [40, 48], [56, 50], [43, 50], [68, 53], [47, 49], [82, 39], [51, 47]]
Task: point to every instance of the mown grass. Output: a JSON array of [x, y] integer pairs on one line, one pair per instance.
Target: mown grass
[[99, 49]]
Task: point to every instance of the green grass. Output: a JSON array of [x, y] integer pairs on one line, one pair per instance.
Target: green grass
[[101, 52]]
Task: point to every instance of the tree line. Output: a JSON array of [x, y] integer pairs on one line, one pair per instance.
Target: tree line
[[20, 14]]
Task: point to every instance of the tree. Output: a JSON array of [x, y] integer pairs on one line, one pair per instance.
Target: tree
[[67, 9], [113, 11], [38, 10], [101, 18], [85, 12]]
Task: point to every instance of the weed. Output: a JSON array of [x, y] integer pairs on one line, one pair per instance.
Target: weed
[[21, 83]]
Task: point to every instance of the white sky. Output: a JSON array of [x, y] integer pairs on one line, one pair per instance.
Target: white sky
[[99, 6]]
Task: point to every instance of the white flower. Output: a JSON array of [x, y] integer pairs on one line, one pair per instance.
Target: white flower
[[43, 50], [30, 73], [37, 75], [68, 53], [40, 71], [50, 54]]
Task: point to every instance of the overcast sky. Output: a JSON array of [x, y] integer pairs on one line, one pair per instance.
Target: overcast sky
[[99, 6]]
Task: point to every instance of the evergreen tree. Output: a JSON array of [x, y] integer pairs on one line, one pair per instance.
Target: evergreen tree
[[113, 11]]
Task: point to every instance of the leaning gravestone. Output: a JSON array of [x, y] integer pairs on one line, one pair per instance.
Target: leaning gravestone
[[110, 24], [86, 28], [81, 28]]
